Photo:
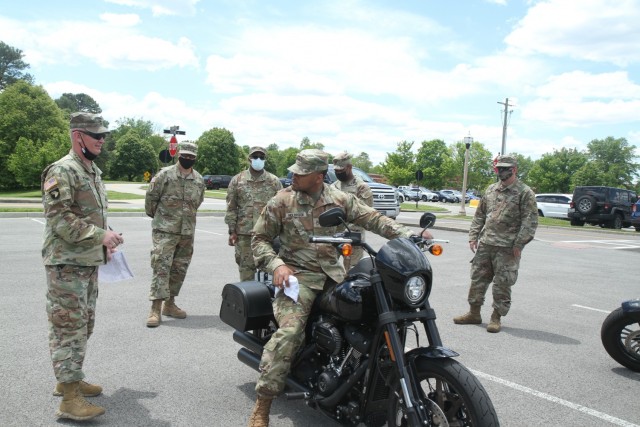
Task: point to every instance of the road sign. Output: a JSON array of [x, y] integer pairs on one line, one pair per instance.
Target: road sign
[[173, 145], [147, 176]]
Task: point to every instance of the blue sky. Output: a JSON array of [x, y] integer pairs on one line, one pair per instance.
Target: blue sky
[[351, 74]]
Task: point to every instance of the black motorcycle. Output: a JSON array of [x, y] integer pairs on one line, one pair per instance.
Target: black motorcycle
[[620, 334], [357, 364]]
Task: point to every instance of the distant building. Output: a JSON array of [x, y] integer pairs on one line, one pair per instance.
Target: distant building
[[378, 178]]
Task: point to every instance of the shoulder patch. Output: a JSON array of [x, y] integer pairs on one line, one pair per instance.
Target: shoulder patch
[[50, 184]]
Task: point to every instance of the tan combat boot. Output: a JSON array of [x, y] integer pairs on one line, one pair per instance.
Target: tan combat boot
[[86, 389], [471, 318], [154, 315], [74, 406], [260, 415], [494, 324], [171, 309]]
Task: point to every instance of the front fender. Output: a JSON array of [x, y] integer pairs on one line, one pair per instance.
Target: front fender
[[431, 352], [631, 306]]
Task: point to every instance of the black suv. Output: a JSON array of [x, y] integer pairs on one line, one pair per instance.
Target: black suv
[[604, 206], [215, 182]]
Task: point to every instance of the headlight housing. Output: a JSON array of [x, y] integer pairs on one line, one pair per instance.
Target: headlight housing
[[415, 290]]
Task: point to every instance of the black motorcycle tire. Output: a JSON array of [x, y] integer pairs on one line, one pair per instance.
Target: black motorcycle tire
[[615, 331], [476, 408]]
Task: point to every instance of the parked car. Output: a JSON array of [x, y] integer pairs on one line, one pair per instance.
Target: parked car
[[285, 181], [420, 193], [553, 205], [459, 195], [604, 206], [635, 215], [215, 182], [447, 196]]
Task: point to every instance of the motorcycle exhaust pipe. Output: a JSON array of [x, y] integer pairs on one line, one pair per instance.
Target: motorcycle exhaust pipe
[[331, 401], [248, 341], [252, 360]]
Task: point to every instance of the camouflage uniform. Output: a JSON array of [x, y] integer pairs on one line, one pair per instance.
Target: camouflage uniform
[[75, 208], [361, 191], [506, 217], [172, 200], [246, 196], [293, 216]]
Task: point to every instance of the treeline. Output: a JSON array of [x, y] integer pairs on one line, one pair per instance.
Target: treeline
[[34, 132]]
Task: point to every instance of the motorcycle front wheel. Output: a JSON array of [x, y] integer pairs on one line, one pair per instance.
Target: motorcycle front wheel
[[620, 335], [454, 396]]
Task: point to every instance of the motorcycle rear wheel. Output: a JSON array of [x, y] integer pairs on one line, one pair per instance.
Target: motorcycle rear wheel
[[620, 335], [453, 392]]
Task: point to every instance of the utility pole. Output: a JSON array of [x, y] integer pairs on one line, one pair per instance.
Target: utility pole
[[504, 125]]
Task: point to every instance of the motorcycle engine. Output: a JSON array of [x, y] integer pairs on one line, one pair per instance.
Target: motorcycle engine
[[328, 338]]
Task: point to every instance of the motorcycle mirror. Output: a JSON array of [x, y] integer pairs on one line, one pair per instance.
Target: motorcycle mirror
[[332, 217], [427, 220]]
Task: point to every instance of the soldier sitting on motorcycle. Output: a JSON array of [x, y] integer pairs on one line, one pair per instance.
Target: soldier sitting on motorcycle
[[292, 215]]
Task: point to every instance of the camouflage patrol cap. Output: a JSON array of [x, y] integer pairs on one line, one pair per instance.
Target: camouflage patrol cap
[[507, 161], [257, 149], [87, 121], [309, 161], [188, 147], [341, 161]]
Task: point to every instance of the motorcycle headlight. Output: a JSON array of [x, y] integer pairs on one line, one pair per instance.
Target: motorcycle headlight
[[415, 289]]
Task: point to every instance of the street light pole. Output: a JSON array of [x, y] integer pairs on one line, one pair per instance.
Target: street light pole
[[467, 143]]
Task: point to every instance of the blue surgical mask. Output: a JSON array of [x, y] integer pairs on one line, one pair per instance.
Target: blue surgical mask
[[257, 164]]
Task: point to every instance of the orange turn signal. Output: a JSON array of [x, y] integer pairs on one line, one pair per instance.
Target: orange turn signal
[[347, 249], [436, 250]]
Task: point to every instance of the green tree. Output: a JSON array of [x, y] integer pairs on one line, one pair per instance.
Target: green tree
[[30, 158], [480, 169], [553, 172], [12, 66], [435, 161], [218, 153], [27, 111], [399, 167], [306, 144], [70, 103], [132, 157], [145, 130], [362, 161], [610, 163], [287, 158]]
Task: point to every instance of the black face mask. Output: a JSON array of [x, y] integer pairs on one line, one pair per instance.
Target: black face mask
[[342, 176], [505, 173], [86, 153], [186, 163]]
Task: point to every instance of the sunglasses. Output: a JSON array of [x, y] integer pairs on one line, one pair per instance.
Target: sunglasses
[[96, 136], [255, 156]]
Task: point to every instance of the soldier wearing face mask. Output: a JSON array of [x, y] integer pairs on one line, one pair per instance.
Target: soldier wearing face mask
[[248, 192], [172, 200], [349, 183], [505, 221]]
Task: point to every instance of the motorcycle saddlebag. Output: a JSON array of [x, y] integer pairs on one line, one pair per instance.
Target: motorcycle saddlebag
[[246, 305]]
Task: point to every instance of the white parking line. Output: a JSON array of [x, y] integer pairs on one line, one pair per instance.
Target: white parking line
[[591, 308], [38, 221], [554, 399]]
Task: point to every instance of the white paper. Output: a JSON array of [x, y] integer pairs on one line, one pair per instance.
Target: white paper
[[115, 270], [292, 290]]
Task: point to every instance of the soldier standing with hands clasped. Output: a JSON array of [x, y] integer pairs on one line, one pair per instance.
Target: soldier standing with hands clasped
[[76, 242], [505, 221], [248, 192], [349, 183], [172, 200]]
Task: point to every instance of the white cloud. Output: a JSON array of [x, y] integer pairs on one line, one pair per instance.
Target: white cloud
[[584, 85], [594, 30], [161, 7], [110, 45]]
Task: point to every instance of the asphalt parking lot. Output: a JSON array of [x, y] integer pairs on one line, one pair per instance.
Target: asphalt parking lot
[[547, 367]]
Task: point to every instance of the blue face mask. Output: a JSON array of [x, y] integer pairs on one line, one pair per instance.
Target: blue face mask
[[257, 164]]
